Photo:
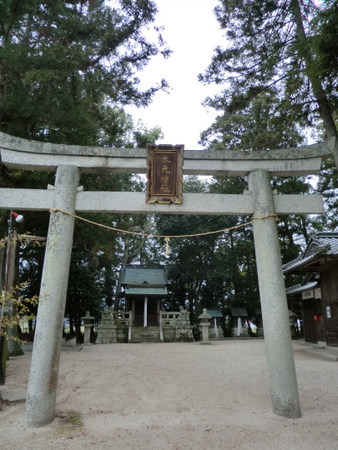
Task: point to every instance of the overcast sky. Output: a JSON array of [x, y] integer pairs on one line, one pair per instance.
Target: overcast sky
[[192, 32]]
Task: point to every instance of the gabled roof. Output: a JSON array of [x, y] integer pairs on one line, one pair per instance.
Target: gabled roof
[[144, 280], [214, 312], [321, 246], [323, 243]]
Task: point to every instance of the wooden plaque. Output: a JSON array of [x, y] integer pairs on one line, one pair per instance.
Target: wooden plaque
[[165, 173]]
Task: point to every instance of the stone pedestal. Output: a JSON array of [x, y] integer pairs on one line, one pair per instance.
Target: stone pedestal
[[183, 332], [107, 332]]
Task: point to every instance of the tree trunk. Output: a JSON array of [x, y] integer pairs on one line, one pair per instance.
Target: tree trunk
[[319, 93]]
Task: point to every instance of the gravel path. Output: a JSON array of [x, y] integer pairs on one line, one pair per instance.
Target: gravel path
[[175, 397]]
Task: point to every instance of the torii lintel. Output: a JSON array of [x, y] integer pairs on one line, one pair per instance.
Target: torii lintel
[[33, 155]]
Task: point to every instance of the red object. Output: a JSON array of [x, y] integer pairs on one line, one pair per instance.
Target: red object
[[18, 217], [316, 317]]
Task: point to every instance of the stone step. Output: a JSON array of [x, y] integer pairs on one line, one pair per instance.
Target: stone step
[[145, 334]]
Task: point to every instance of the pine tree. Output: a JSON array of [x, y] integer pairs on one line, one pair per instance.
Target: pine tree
[[63, 65], [272, 54]]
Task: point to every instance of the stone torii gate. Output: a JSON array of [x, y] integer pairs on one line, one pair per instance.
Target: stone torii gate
[[259, 200]]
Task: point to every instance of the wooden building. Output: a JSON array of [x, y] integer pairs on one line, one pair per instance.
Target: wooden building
[[143, 320], [319, 289], [144, 289]]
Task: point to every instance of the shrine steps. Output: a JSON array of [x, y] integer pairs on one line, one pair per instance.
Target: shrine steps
[[145, 334]]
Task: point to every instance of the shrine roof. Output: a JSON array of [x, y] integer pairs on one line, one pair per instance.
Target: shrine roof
[[321, 246], [144, 280], [214, 312], [140, 275]]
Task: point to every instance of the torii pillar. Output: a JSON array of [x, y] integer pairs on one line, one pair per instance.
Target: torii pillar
[[281, 364], [43, 378]]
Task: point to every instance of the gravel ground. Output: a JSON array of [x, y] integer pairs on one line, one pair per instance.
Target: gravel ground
[[175, 397]]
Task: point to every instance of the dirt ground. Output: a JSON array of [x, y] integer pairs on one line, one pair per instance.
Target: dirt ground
[[175, 397]]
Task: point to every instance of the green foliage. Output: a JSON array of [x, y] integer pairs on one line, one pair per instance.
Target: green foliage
[[293, 230], [256, 123], [277, 80], [325, 47], [12, 301], [64, 66], [212, 270], [66, 71], [85, 288], [328, 187], [144, 136]]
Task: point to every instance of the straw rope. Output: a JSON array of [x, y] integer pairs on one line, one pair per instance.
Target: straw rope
[[165, 236]]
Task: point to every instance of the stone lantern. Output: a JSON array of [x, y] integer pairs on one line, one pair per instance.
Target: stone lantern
[[87, 323], [204, 326]]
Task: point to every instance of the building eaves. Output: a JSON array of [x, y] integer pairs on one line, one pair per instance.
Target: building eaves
[[146, 291], [299, 262], [298, 288], [320, 246]]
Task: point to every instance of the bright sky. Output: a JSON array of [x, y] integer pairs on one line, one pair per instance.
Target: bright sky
[[192, 32]]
